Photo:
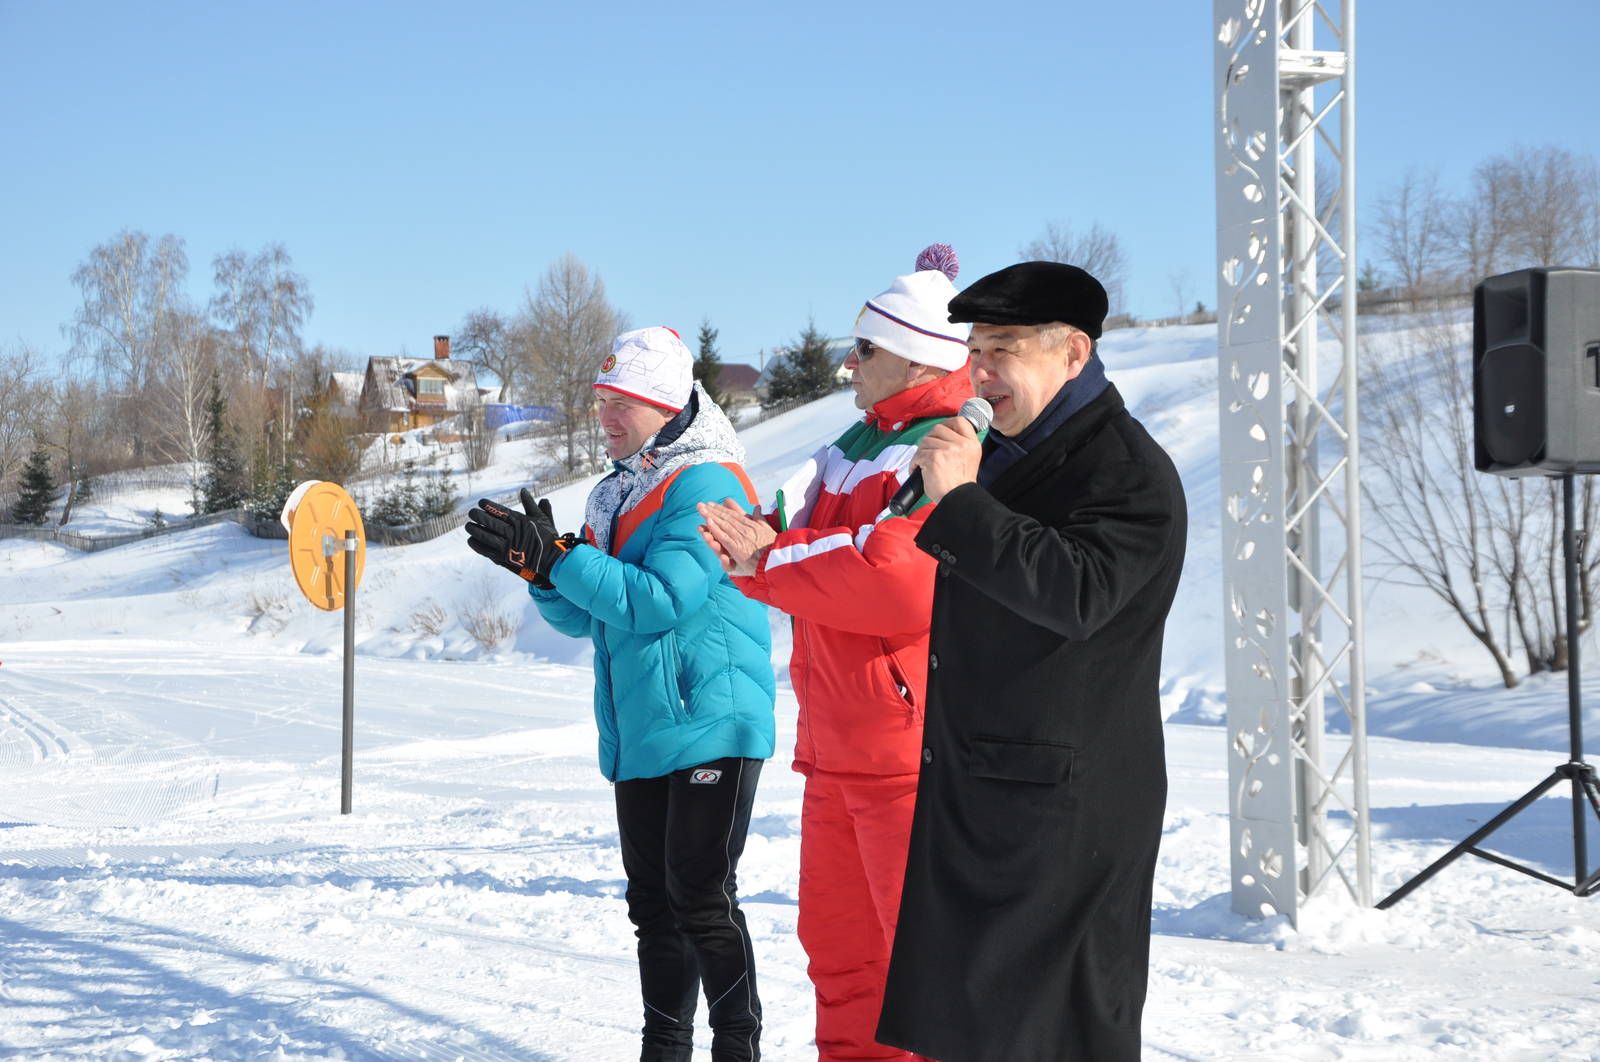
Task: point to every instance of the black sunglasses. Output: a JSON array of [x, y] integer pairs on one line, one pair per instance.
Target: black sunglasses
[[863, 349]]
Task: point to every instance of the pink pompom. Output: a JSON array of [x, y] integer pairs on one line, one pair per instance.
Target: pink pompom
[[940, 256]]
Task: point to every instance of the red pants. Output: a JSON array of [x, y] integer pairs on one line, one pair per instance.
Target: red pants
[[853, 838]]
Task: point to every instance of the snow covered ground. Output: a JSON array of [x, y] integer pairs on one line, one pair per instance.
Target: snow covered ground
[[176, 881]]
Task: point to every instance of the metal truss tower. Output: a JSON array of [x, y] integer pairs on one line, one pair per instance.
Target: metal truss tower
[[1290, 484]]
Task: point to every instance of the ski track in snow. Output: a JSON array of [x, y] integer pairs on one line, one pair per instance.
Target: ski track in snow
[[175, 881], [472, 906]]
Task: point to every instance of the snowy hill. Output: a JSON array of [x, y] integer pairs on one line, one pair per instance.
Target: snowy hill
[[175, 880]]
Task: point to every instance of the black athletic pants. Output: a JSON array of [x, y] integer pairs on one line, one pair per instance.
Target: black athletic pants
[[682, 836]]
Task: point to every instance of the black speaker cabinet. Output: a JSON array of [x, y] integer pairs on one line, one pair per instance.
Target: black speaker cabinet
[[1536, 372]]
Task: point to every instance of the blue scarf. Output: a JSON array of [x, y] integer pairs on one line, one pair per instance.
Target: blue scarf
[[1000, 452]]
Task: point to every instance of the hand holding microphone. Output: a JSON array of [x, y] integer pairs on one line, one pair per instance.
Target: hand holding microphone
[[946, 458]]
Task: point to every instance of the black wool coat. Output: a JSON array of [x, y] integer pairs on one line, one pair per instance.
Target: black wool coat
[[1024, 930]]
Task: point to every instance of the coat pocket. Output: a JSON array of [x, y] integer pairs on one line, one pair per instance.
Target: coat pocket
[[1009, 760], [672, 679], [901, 684]]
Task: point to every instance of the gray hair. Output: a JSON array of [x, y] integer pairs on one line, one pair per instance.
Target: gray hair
[[1054, 336]]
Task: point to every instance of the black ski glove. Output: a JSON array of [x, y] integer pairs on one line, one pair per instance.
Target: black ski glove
[[525, 543]]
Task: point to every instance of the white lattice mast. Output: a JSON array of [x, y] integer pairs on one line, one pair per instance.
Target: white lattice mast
[[1290, 450]]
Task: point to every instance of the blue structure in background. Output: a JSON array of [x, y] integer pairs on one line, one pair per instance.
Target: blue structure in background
[[497, 415]]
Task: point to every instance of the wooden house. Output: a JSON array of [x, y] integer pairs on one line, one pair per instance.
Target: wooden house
[[398, 394]]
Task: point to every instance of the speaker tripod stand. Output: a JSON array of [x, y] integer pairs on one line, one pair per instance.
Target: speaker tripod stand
[[1585, 785]]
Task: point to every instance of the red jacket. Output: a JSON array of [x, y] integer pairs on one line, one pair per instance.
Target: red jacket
[[858, 588]]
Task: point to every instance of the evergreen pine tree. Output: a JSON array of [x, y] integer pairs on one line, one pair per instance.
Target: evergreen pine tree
[[37, 489], [272, 488], [411, 494], [439, 497], [780, 381], [804, 370], [224, 485], [401, 504], [708, 364]]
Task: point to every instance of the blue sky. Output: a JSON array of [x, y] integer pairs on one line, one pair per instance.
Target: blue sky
[[753, 164]]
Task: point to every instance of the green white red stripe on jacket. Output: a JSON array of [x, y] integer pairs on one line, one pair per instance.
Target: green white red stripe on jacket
[[860, 591]]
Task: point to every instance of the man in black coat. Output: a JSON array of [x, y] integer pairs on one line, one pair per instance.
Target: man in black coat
[[1025, 923]]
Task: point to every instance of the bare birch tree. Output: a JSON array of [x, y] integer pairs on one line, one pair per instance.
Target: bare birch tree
[[79, 433], [1526, 208], [1533, 207], [1548, 194], [484, 337], [1589, 249], [262, 304], [1422, 488], [1516, 518], [1488, 546], [21, 411], [131, 292], [1411, 231], [1479, 225], [569, 325], [1098, 250], [1181, 284], [477, 440], [183, 383]]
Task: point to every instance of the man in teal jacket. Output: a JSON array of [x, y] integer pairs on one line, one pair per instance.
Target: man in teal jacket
[[683, 680]]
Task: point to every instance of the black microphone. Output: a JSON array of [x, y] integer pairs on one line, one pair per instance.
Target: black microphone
[[978, 413]]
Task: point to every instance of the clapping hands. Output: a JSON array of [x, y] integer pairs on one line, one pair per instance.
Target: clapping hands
[[739, 539], [525, 543]]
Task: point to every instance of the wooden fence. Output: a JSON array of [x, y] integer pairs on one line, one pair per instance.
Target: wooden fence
[[96, 543]]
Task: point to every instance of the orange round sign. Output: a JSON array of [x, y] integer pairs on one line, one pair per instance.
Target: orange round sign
[[322, 513]]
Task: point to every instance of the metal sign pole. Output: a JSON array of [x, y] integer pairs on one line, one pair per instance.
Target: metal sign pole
[[351, 540], [317, 516]]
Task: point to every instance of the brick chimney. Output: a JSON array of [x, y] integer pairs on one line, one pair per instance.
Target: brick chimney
[[441, 348]]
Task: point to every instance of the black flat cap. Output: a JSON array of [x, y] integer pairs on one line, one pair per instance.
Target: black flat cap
[[1034, 293]]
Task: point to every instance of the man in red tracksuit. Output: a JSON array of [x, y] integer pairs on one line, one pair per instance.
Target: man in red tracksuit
[[830, 555]]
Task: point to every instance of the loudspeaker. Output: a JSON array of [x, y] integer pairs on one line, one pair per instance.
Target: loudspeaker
[[1536, 372]]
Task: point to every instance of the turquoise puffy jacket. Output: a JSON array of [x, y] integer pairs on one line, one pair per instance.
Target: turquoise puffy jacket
[[683, 660]]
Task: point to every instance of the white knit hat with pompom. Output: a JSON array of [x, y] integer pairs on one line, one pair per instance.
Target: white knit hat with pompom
[[912, 318]]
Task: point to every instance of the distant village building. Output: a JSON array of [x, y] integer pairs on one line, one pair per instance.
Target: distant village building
[[838, 350], [342, 390], [398, 394], [740, 385]]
